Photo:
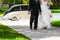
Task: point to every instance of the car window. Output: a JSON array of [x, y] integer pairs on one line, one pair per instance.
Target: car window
[[24, 7], [17, 8]]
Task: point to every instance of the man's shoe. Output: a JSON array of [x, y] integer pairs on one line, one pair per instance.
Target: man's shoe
[[35, 28], [31, 28]]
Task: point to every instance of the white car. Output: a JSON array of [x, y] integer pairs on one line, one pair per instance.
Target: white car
[[17, 12]]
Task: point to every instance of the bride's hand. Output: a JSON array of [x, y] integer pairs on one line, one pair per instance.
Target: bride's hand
[[50, 15]]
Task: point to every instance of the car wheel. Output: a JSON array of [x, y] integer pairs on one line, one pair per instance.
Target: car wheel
[[14, 19]]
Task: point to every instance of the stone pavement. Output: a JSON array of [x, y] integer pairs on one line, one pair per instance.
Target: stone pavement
[[38, 34], [22, 26], [55, 16]]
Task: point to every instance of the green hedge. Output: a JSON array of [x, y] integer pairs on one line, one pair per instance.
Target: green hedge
[[55, 10], [55, 23], [3, 9]]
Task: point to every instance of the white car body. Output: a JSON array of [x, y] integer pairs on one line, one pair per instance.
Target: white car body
[[17, 14]]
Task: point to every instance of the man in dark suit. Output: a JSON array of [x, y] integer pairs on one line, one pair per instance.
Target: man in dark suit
[[34, 9]]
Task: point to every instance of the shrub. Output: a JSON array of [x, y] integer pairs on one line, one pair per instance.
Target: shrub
[[55, 23]]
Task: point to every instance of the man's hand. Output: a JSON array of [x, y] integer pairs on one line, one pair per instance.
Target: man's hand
[[29, 12]]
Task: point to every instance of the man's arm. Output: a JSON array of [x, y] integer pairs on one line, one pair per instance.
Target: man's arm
[[39, 8], [29, 7]]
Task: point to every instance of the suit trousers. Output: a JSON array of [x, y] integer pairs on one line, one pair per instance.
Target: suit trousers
[[34, 18]]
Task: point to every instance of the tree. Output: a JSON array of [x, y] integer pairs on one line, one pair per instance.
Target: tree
[[0, 4], [25, 1], [5, 1], [13, 2], [56, 3]]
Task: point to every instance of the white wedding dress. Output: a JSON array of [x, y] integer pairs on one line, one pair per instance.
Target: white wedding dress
[[44, 19]]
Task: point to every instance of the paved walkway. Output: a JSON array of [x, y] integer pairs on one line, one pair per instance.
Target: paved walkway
[[56, 16], [37, 34], [22, 26]]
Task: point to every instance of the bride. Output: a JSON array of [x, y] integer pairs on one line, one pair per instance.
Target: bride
[[45, 17]]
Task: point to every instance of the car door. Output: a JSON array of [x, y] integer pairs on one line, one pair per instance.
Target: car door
[[23, 13], [12, 12]]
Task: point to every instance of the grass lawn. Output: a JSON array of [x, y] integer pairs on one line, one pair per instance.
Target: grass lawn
[[2, 10], [55, 23], [9, 34], [1, 13]]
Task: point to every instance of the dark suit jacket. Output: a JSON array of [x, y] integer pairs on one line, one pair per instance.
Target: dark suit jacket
[[34, 4]]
